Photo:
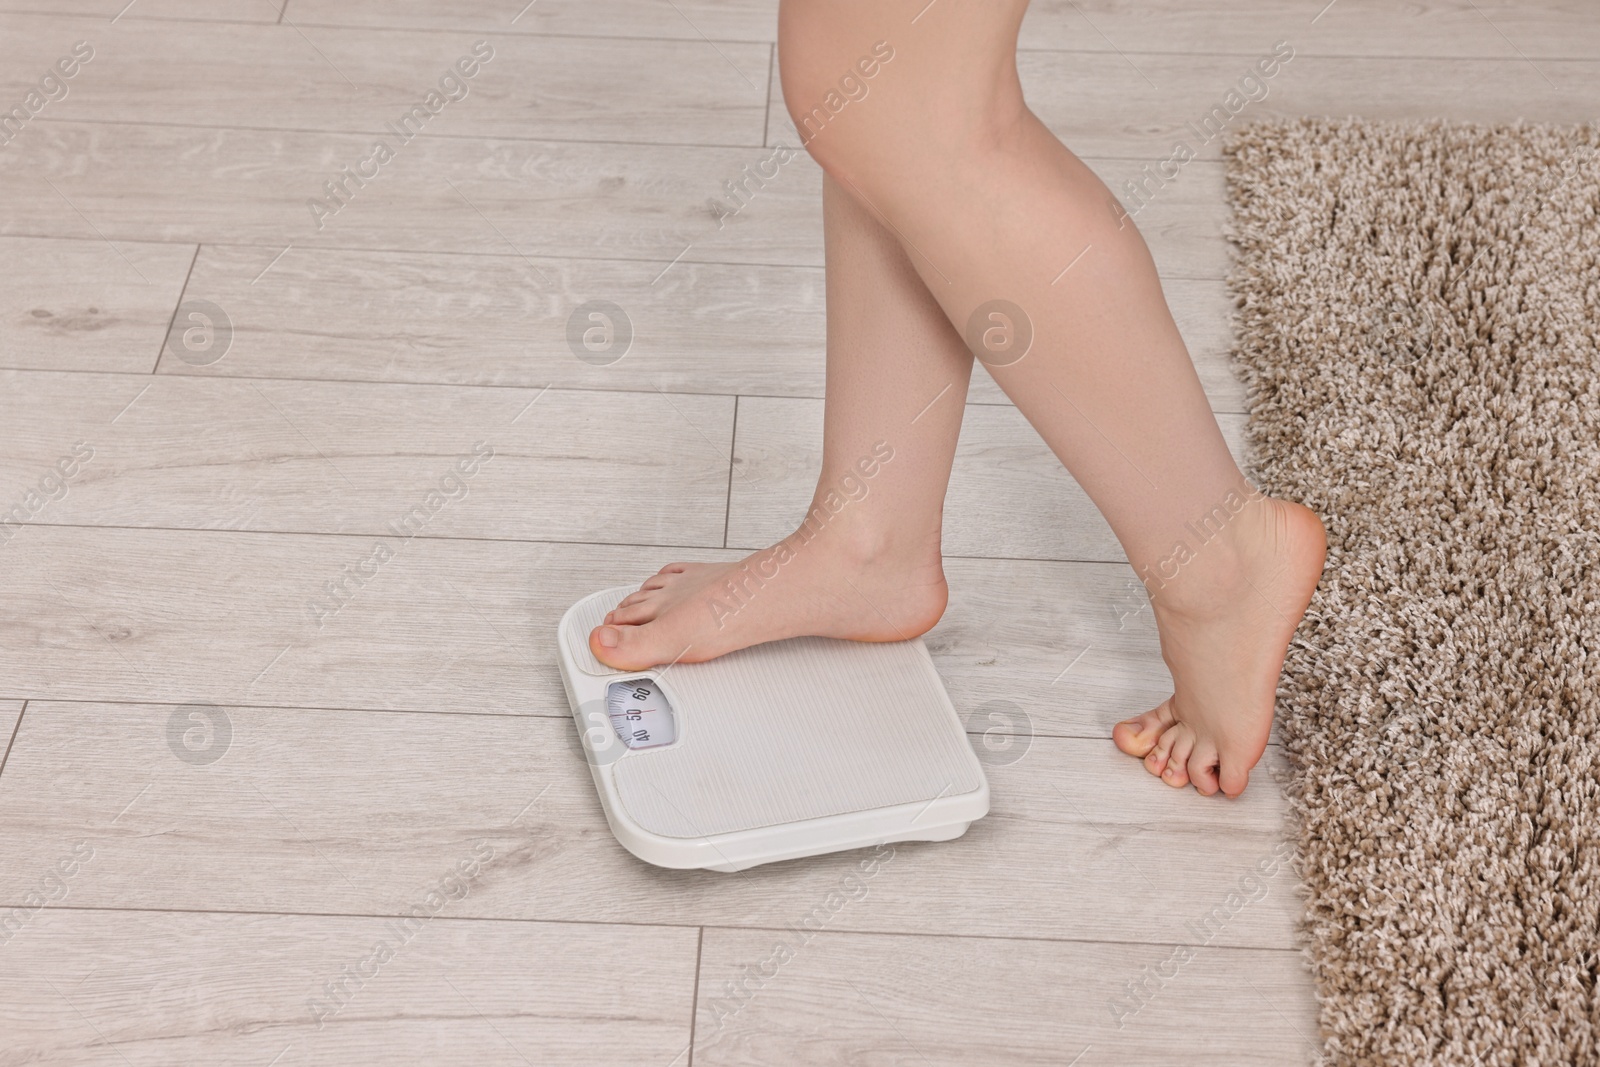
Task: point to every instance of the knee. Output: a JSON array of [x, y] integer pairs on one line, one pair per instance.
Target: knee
[[865, 108]]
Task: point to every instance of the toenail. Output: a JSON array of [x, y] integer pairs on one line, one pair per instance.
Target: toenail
[[609, 636]]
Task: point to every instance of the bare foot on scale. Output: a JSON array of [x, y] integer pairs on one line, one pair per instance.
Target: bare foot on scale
[[1226, 619], [836, 584]]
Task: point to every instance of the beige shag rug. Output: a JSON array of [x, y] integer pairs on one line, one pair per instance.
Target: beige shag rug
[[1419, 309]]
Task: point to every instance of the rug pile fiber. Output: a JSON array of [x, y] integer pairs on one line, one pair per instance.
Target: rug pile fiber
[[1419, 329]]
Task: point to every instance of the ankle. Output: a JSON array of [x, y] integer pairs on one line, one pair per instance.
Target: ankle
[[865, 539]]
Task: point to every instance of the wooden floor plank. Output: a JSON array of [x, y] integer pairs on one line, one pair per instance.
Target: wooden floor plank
[[659, 205], [795, 996], [481, 320], [1100, 105], [525, 198], [1457, 28], [270, 809], [1009, 496], [370, 80], [234, 617], [261, 11], [389, 461], [88, 305], [687, 20], [146, 988]]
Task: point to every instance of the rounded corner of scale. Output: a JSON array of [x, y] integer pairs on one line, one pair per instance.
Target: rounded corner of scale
[[577, 605], [967, 808], [567, 616], [980, 798], [671, 853]]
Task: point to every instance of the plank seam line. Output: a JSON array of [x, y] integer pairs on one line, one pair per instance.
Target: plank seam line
[[694, 999], [596, 390], [14, 731], [733, 456], [172, 320], [555, 716], [90, 909]]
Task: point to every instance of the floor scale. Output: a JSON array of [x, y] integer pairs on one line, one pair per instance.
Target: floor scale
[[788, 749]]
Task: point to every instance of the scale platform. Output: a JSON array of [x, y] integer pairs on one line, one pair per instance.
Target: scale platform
[[787, 749]]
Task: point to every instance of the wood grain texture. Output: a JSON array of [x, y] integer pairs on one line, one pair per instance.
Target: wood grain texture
[[383, 460], [234, 617], [1059, 648], [687, 20], [90, 11], [781, 996], [1009, 496], [1142, 105], [355, 812], [87, 304], [530, 199], [1456, 28], [469, 626], [486, 320], [1065, 648], [367, 81], [119, 988], [1487, 29]]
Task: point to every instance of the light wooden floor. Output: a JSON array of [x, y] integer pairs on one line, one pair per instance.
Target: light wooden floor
[[196, 908]]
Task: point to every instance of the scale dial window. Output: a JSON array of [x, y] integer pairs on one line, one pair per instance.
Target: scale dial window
[[641, 714]]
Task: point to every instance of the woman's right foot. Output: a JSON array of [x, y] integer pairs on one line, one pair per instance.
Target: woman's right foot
[[836, 584], [1225, 621]]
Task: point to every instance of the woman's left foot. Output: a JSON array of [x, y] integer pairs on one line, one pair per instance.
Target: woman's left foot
[[1225, 621]]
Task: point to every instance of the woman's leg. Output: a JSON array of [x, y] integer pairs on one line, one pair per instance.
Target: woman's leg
[[865, 564], [1016, 238]]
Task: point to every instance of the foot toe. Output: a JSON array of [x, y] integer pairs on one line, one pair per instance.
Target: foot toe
[[664, 575], [1156, 761], [1177, 771], [1234, 776], [1138, 736], [605, 638], [627, 614], [617, 646], [635, 647], [1203, 768]]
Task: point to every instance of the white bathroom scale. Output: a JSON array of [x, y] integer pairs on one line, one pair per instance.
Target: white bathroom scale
[[788, 749]]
